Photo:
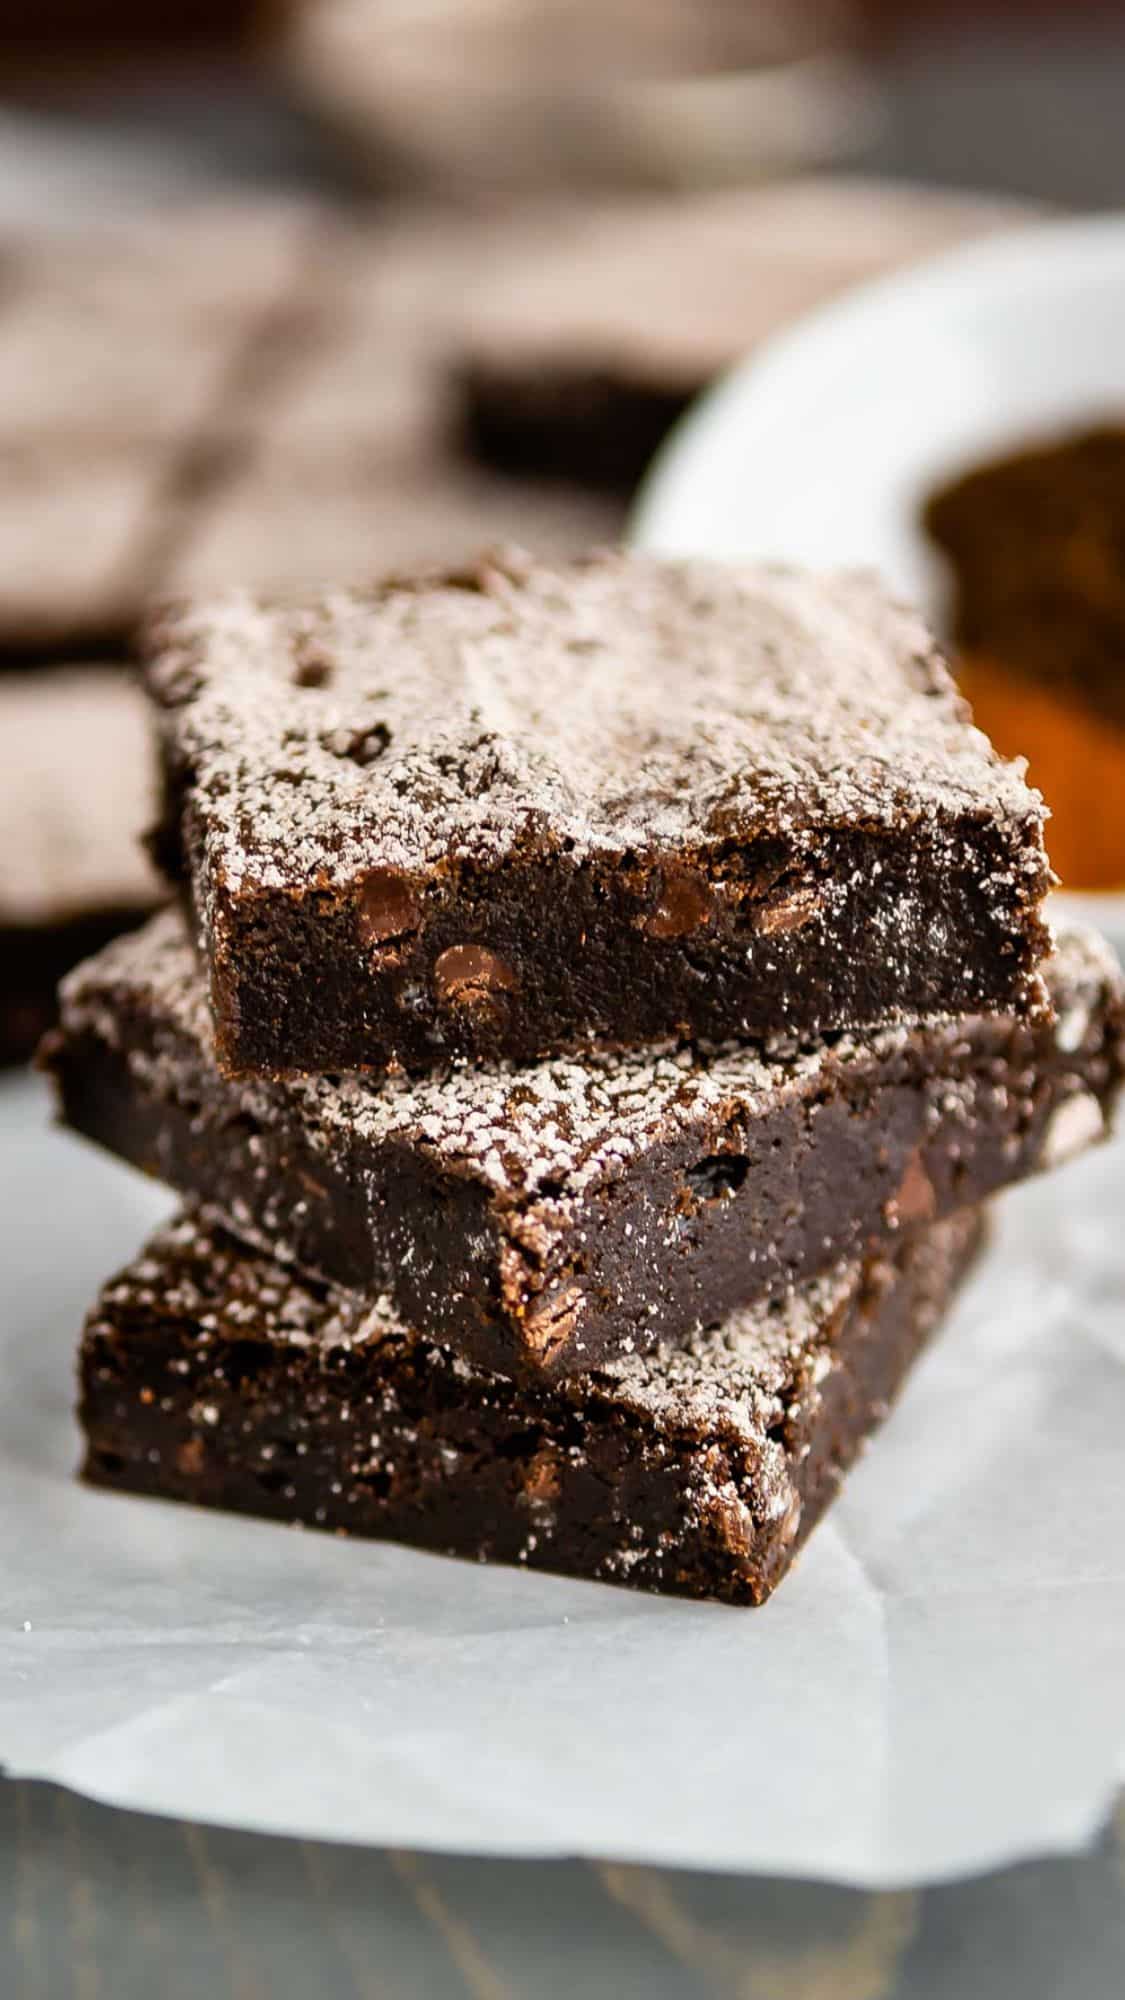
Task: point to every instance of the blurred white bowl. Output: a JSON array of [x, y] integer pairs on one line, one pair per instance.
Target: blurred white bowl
[[822, 448]]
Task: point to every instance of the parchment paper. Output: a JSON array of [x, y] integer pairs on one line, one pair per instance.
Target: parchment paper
[[938, 1687]]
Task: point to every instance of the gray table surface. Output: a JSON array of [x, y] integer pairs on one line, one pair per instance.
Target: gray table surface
[[105, 1905]]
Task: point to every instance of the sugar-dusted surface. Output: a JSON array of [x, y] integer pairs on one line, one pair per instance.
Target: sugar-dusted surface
[[541, 1221], [210, 1375], [533, 808], [620, 702], [732, 1380]]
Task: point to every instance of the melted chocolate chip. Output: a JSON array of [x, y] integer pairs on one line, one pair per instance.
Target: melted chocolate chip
[[916, 1200], [788, 912], [388, 907], [684, 902], [469, 972], [552, 1321]]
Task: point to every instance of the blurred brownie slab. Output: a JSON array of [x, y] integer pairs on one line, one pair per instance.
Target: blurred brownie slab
[[60, 380], [253, 392], [135, 333], [215, 1376], [576, 360], [68, 42], [541, 1220], [192, 269], [76, 533], [351, 468], [531, 808], [126, 356], [241, 392], [77, 797], [286, 522]]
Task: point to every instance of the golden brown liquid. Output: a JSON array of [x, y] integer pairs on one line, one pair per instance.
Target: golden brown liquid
[[1076, 758], [1036, 544]]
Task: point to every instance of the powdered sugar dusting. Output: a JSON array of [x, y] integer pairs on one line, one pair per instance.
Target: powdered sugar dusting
[[735, 1382], [611, 704]]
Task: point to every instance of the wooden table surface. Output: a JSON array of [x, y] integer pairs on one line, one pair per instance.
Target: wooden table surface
[[104, 1905]]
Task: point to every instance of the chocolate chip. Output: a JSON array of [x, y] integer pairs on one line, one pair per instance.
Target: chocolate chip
[[541, 1477], [313, 667], [552, 1321], [492, 574], [471, 976], [684, 902], [191, 1457], [915, 1200], [388, 907], [732, 1523], [788, 912], [360, 746]]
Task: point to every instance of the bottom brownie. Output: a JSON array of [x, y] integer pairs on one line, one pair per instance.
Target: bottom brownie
[[211, 1374]]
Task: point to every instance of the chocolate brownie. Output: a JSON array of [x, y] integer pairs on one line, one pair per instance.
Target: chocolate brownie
[[127, 354], [212, 1375], [77, 796], [575, 359], [351, 469], [75, 544], [539, 1220], [70, 41], [238, 391], [531, 808]]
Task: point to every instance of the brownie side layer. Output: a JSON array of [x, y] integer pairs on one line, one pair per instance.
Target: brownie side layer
[[590, 424], [213, 1376], [565, 958], [534, 809], [545, 1219]]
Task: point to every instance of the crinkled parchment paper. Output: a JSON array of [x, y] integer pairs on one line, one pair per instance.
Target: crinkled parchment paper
[[938, 1687]]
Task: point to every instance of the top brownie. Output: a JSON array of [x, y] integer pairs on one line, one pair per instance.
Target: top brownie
[[531, 808]]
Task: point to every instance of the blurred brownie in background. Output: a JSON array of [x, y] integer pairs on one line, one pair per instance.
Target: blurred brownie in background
[[42, 41], [77, 798], [124, 351], [269, 393], [581, 351], [252, 391]]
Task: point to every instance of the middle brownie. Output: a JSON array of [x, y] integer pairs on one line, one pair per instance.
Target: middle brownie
[[551, 1217]]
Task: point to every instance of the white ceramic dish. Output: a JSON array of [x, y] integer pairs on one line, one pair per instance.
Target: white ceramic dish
[[821, 449]]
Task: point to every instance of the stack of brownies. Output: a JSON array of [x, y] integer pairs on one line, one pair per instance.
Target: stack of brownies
[[602, 998]]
